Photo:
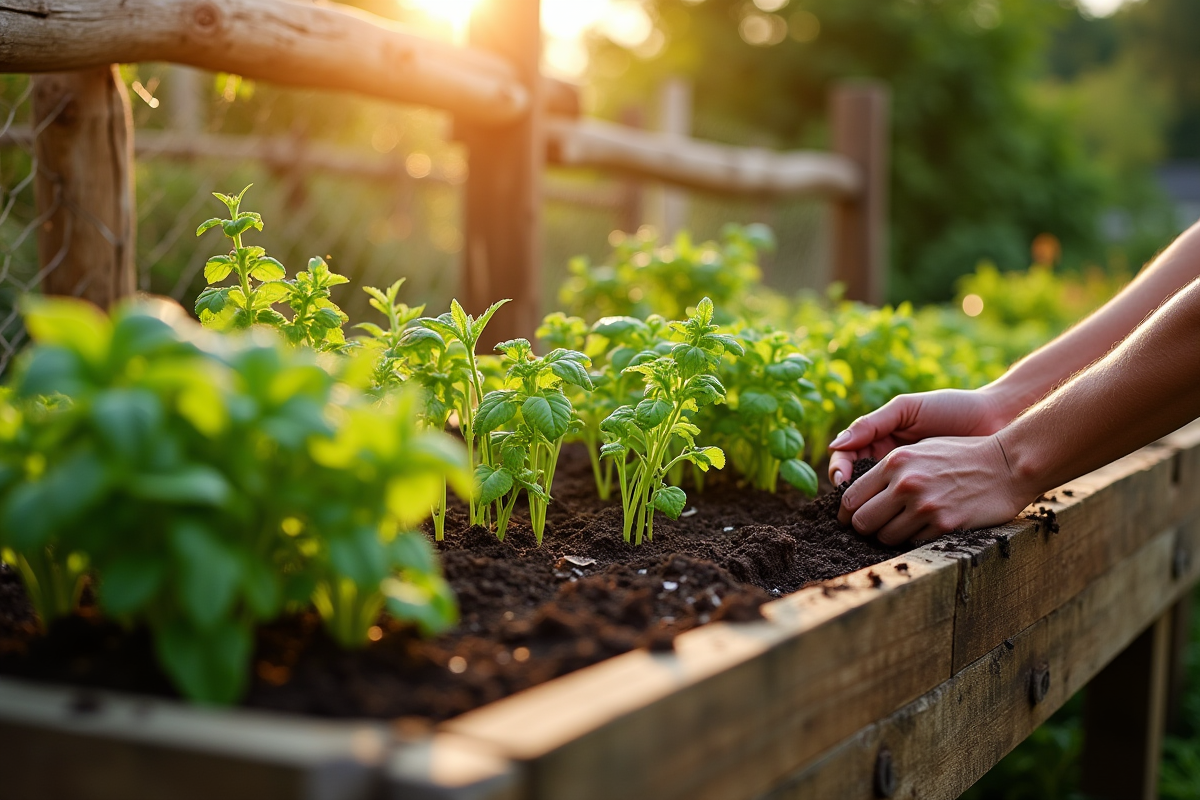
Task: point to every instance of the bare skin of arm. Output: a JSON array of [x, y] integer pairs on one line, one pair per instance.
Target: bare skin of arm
[[1142, 390], [952, 412]]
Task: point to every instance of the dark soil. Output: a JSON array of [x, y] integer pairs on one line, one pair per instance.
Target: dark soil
[[529, 614]]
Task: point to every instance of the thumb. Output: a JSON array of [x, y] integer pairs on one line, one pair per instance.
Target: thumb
[[872, 427]]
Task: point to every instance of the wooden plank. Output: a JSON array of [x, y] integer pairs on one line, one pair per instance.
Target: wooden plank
[[859, 117], [734, 707], [84, 184], [319, 46], [697, 164], [1124, 717], [1111, 512], [503, 214], [939, 745]]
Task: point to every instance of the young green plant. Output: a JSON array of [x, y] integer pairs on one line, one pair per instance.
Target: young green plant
[[639, 438], [541, 415]]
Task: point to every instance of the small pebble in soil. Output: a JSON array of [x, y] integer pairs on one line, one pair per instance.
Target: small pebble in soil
[[521, 654], [508, 615], [579, 561], [727, 528], [670, 586], [641, 572], [691, 512], [457, 665], [375, 633]]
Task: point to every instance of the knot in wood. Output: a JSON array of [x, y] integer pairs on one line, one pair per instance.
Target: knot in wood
[[1039, 683], [206, 18], [885, 774]]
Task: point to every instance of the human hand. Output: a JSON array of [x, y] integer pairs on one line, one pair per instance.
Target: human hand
[[921, 491], [908, 419]]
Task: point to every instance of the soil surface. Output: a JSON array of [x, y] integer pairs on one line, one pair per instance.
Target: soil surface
[[529, 614]]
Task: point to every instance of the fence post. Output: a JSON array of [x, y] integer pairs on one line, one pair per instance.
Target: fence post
[[1124, 715], [84, 184], [503, 205], [860, 122], [674, 118]]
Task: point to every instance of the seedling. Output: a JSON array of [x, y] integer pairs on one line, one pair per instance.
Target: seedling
[[261, 283], [541, 416], [639, 438]]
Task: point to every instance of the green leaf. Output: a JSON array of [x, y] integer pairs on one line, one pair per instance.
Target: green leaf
[[194, 484], [359, 556], [788, 370], [127, 419], [426, 600], [800, 475], [412, 550], [236, 227], [549, 413], [481, 323], [206, 666], [128, 582], [493, 483], [74, 324], [652, 413], [785, 443], [495, 411], [793, 409], [268, 269], [208, 223], [693, 360], [218, 268], [670, 500], [730, 344], [572, 372], [618, 327], [752, 403], [462, 322], [262, 587], [212, 301], [706, 457], [704, 311], [37, 510], [209, 573], [325, 318], [614, 450]]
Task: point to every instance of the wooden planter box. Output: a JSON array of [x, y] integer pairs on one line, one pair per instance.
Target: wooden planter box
[[907, 679]]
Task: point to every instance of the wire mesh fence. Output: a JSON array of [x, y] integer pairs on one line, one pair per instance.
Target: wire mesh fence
[[373, 187]]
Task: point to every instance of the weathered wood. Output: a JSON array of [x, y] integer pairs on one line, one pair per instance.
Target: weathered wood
[[319, 46], [1124, 715], [633, 200], [503, 214], [84, 184], [670, 203], [942, 743], [119, 747], [700, 165], [1111, 512], [735, 707], [859, 117]]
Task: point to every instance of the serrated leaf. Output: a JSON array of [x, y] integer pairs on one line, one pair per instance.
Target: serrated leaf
[[651, 413], [272, 292], [218, 268], [212, 300], [691, 359], [491, 483], [572, 372], [785, 443], [495, 411], [461, 321], [549, 413], [800, 475], [208, 223], [670, 500], [706, 457], [477, 327], [268, 269]]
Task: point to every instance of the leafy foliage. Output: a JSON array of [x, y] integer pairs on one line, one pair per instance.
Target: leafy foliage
[[206, 483], [261, 283], [639, 437]]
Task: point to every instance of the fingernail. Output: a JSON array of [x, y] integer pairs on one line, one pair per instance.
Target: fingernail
[[841, 439], [837, 477]]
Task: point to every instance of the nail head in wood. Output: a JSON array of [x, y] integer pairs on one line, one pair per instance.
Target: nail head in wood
[[1039, 683], [885, 774]]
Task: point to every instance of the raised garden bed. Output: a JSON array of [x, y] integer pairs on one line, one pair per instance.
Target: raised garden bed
[[910, 677]]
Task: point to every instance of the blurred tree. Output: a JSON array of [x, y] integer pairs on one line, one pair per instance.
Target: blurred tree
[[1161, 35], [980, 168]]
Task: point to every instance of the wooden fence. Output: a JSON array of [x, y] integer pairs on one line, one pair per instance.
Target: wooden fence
[[513, 120]]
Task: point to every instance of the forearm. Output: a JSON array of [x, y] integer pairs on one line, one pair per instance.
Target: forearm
[[1142, 390], [1032, 378]]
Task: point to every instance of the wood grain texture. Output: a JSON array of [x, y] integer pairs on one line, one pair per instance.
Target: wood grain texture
[[84, 184], [313, 45], [735, 707], [860, 120], [943, 742], [700, 165], [502, 253]]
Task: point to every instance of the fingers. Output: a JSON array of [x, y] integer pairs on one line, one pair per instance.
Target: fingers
[[863, 490], [841, 466], [876, 425], [885, 512]]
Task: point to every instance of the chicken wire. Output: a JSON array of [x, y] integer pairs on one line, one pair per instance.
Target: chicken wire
[[373, 187]]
